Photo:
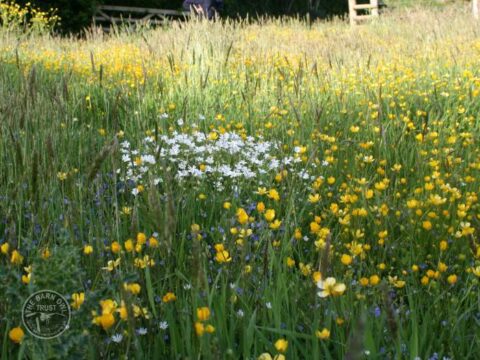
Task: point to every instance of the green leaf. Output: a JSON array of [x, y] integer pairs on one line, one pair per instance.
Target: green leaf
[[148, 280]]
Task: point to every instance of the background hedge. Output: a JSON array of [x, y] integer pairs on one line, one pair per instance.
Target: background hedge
[[76, 14]]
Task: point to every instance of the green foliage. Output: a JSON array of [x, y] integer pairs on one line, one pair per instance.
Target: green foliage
[[26, 19], [75, 15], [254, 7], [61, 272]]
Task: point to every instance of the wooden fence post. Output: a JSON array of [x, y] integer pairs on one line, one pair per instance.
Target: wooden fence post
[[375, 9], [352, 11]]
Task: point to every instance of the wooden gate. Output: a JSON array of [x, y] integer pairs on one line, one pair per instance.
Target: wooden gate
[[362, 12], [107, 15]]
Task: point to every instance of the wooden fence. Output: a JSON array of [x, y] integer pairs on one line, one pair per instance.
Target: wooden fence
[[107, 15], [362, 12]]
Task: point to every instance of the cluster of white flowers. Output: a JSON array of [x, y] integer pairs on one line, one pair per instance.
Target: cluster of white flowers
[[221, 158]]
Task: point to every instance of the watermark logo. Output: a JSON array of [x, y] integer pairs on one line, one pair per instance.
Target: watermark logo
[[46, 314]]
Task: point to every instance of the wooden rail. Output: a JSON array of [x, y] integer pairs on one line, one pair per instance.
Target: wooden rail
[[360, 12], [107, 15]]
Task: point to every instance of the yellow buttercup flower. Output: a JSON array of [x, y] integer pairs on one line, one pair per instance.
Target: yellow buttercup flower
[[452, 279], [88, 249], [26, 278], [317, 276], [16, 335], [346, 259], [476, 271], [374, 280], [122, 311], [364, 281], [45, 254], [16, 258], [323, 335], [222, 255], [261, 191], [395, 282], [116, 247], [273, 194], [265, 356], [169, 297], [260, 207], [275, 224], [4, 248], [62, 176], [427, 225], [242, 216], [133, 288], [210, 329], [330, 287], [281, 345], [153, 242], [297, 234], [129, 246], [203, 313], [107, 321], [314, 198], [269, 215], [141, 238], [199, 329], [290, 262], [108, 306], [77, 300], [112, 264]]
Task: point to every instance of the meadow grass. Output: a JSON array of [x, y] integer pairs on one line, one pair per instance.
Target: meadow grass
[[376, 132]]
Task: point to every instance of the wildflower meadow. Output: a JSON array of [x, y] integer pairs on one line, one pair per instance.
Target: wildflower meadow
[[265, 189]]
